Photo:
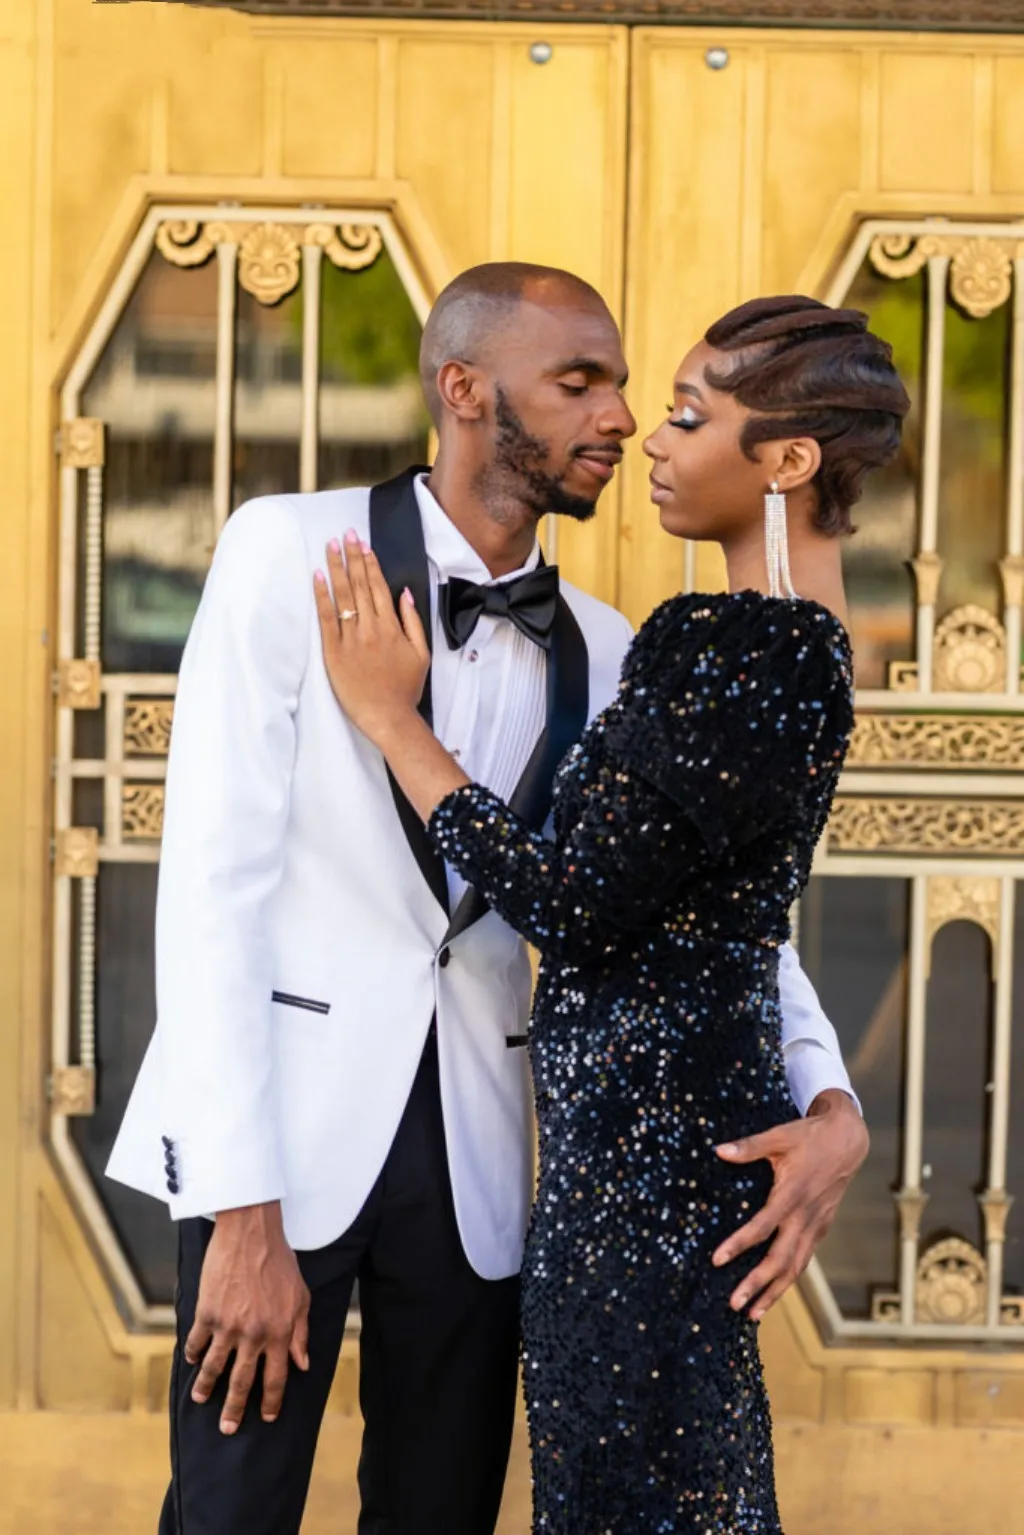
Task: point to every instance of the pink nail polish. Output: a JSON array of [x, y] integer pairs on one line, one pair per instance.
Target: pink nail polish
[[351, 537], [365, 548], [334, 546], [320, 578]]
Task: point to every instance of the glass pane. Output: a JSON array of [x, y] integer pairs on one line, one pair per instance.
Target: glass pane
[[154, 387], [956, 1071], [1014, 1255], [126, 903], [879, 585], [268, 397], [372, 419], [853, 941], [972, 484]]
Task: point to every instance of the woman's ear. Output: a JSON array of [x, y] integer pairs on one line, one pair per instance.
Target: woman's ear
[[799, 463]]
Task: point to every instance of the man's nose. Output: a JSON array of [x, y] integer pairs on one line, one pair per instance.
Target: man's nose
[[617, 420]]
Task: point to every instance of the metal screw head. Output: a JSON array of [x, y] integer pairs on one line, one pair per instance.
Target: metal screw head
[[540, 53], [717, 58]]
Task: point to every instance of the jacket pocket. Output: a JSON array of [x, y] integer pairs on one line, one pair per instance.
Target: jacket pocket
[[516, 1041], [286, 999]]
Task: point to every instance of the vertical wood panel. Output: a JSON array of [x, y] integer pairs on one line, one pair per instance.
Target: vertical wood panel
[[927, 122], [330, 107], [1008, 126]]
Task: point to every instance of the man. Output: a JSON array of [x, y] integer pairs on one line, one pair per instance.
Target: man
[[338, 1071]]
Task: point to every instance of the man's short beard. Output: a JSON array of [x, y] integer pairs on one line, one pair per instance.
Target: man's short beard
[[518, 471]]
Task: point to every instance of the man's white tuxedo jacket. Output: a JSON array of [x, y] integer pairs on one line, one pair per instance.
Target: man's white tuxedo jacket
[[299, 948]]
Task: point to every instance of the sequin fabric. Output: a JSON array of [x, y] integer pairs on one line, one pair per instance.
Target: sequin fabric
[[685, 821]]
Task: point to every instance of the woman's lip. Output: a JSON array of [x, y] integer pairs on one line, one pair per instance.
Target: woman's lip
[[659, 492], [602, 467]]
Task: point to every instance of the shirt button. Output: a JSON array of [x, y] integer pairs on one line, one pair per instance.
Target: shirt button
[[474, 655], [443, 958], [456, 753]]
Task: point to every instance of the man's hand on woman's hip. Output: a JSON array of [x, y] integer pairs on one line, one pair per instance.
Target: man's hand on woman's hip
[[813, 1161], [253, 1303]]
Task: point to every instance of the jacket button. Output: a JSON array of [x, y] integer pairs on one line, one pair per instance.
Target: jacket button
[[172, 1184], [168, 1144], [444, 957]]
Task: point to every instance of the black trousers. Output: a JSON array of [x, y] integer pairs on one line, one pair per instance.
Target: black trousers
[[438, 1362]]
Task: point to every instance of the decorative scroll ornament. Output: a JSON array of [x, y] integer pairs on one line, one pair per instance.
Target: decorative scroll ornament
[[147, 727], [269, 254], [980, 272], [927, 573], [73, 1090], [872, 825], [977, 741], [79, 685], [142, 812], [970, 652], [956, 898], [1011, 568]]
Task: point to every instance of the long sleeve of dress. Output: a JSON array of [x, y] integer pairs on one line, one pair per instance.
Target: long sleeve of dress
[[704, 762]]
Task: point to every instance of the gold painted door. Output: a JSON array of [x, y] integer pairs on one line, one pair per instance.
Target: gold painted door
[[180, 292], [886, 173]]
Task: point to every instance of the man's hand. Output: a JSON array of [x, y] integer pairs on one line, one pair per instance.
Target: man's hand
[[813, 1160], [252, 1302]]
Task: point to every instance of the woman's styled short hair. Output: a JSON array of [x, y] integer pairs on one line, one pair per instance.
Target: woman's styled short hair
[[807, 370]]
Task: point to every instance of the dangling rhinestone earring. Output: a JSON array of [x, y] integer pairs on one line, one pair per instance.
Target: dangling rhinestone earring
[[776, 543]]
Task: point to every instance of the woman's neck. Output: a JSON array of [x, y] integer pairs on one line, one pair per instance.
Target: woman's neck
[[815, 566]]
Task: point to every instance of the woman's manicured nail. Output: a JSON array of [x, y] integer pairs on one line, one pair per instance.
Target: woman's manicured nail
[[407, 596], [365, 548], [351, 537], [321, 580], [334, 546]]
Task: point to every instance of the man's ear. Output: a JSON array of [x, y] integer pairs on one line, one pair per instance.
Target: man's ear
[[462, 390]]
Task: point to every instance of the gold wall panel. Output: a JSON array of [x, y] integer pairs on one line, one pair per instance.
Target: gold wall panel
[[927, 101], [77, 1371], [872, 1397]]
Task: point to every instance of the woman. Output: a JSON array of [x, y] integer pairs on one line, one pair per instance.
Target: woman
[[685, 822]]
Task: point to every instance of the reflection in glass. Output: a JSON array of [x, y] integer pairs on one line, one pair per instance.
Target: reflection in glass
[[268, 397], [126, 903], [853, 938], [1014, 1254], [879, 583], [154, 388], [372, 419], [956, 1071], [972, 484]]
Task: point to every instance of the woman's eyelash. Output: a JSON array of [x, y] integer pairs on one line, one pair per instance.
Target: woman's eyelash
[[684, 422]]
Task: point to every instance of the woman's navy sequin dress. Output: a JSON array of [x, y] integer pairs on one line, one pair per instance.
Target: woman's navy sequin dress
[[685, 822]]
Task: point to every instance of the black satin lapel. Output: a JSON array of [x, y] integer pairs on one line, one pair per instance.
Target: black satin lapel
[[568, 706], [396, 537]]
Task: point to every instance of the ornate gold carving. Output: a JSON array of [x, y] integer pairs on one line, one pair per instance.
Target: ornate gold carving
[[78, 852], [955, 898], [350, 246], [977, 741], [82, 443], [78, 684], [980, 271], [269, 254], [186, 242], [970, 652], [147, 726], [73, 1090], [870, 825], [951, 1289], [142, 811], [911, 1205], [1011, 568], [268, 262], [928, 572], [995, 1205], [981, 277], [903, 677]]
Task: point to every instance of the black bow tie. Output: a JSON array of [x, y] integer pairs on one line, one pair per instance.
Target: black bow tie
[[529, 602]]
